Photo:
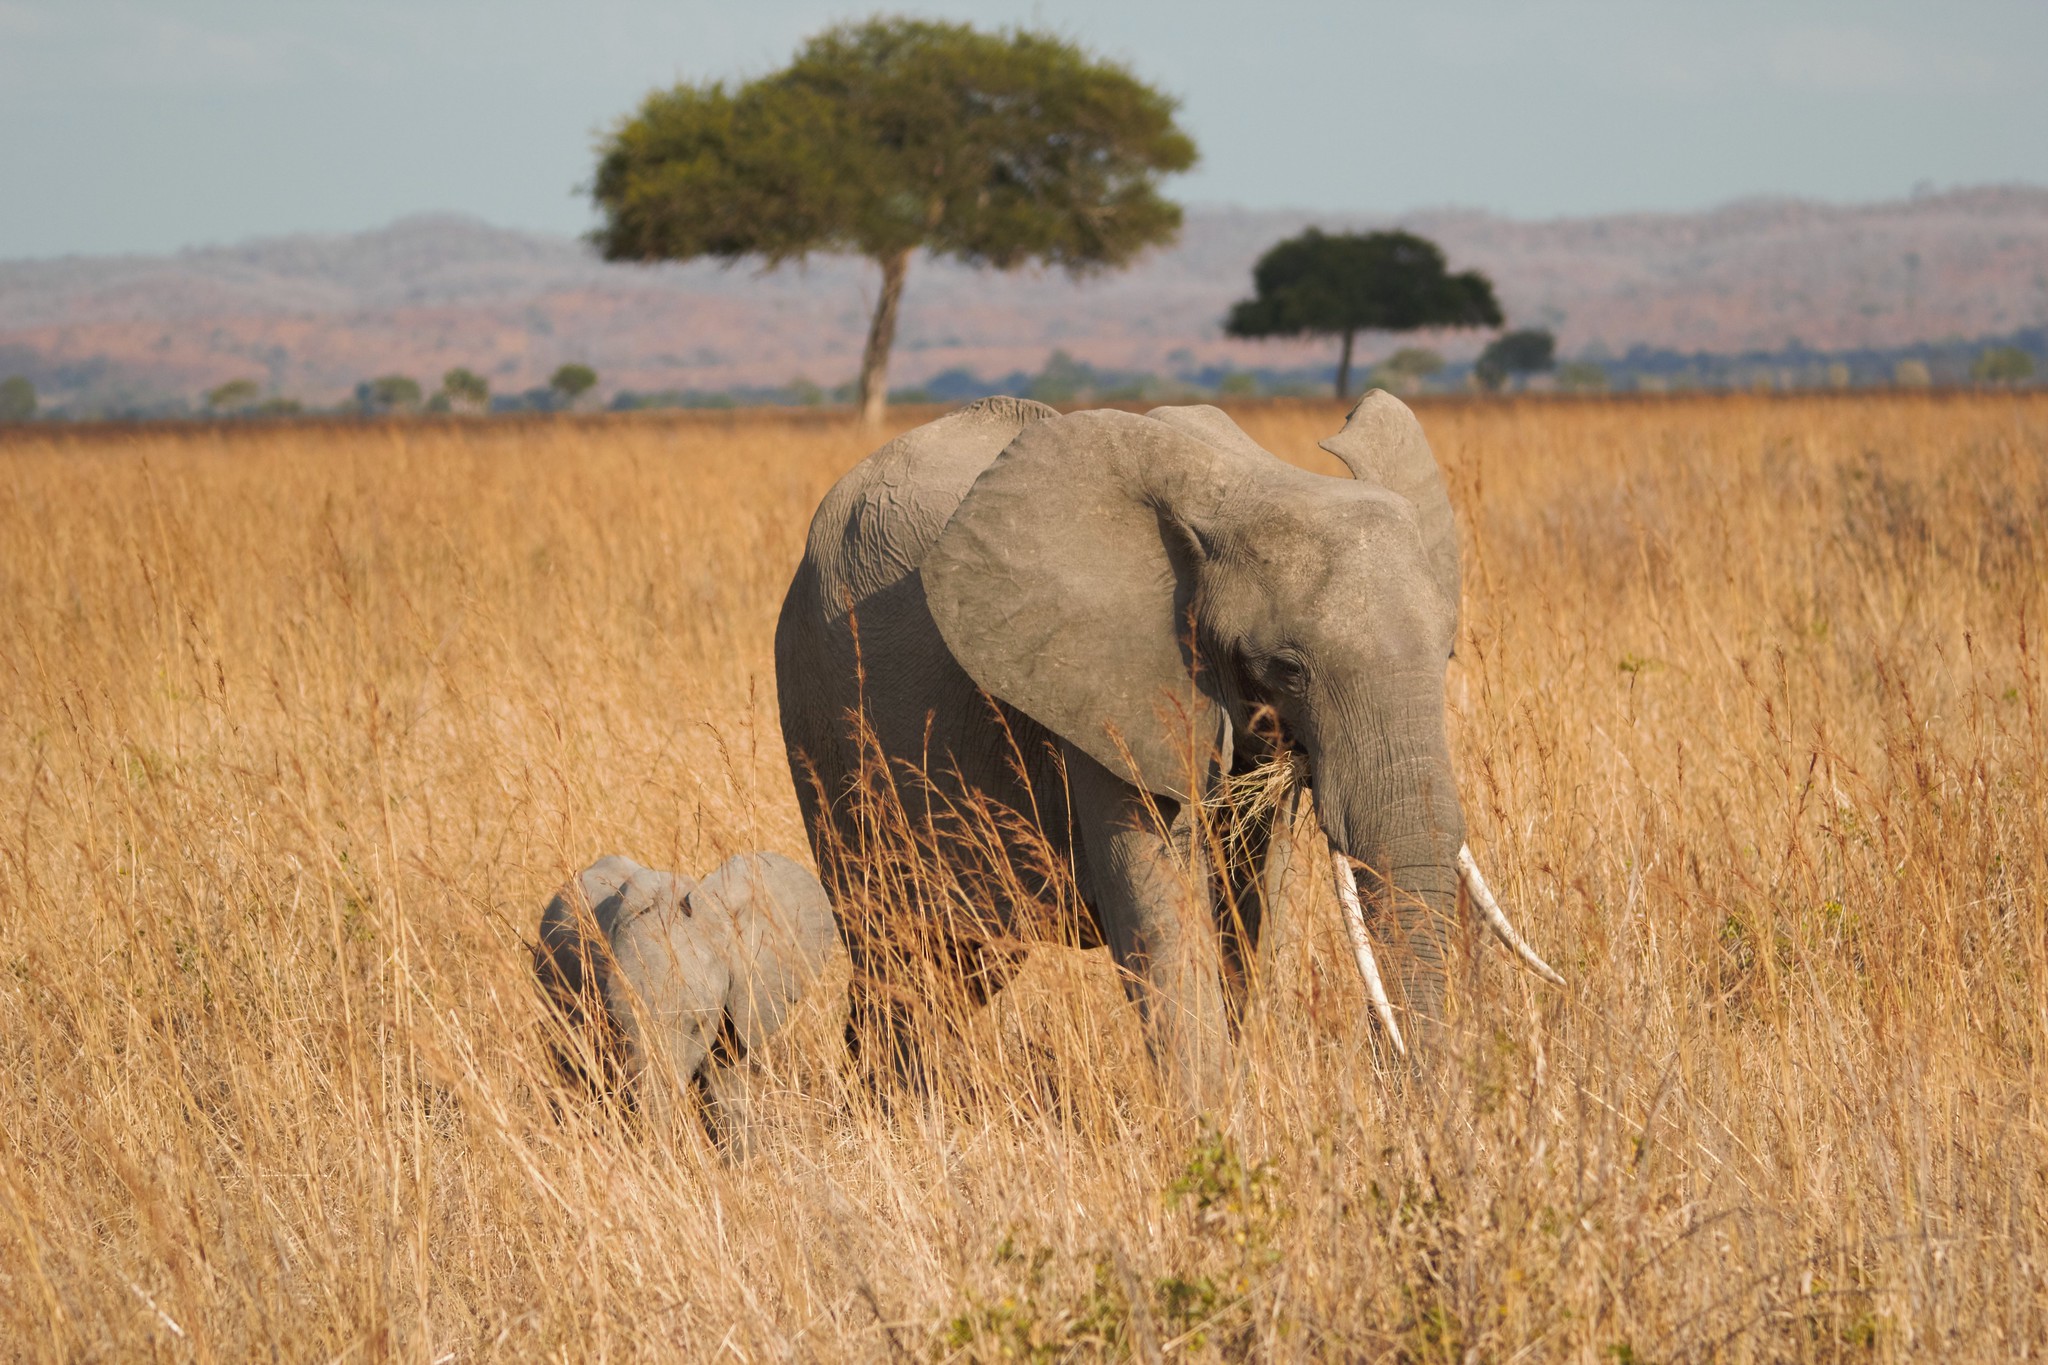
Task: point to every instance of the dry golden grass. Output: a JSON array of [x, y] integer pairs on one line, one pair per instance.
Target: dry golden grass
[[299, 727]]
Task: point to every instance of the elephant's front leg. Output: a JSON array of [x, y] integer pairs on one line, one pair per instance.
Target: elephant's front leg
[[1149, 882]]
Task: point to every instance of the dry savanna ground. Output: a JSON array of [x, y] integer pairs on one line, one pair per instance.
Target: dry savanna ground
[[299, 727]]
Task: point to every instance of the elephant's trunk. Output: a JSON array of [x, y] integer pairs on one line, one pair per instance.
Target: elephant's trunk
[[1414, 863], [1403, 828], [1388, 804]]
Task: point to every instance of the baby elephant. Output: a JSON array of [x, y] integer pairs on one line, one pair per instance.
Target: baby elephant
[[655, 973]]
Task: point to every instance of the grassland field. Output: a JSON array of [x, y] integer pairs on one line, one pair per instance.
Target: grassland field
[[300, 725]]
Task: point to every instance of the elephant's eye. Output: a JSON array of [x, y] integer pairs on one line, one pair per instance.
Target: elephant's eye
[[1286, 671]]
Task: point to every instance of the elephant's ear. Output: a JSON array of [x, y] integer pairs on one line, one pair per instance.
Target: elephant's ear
[[1063, 584], [1382, 443], [615, 885], [775, 927]]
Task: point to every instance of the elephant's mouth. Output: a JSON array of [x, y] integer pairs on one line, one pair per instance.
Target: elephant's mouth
[[1267, 737]]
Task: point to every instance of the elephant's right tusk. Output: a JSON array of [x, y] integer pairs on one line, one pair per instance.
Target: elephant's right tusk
[[1497, 918], [1361, 946]]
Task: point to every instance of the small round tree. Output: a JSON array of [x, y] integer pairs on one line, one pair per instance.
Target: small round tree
[[467, 388], [388, 393], [891, 135], [1341, 284], [1407, 368], [17, 398], [1582, 376], [237, 395], [1528, 351], [572, 381], [2002, 365]]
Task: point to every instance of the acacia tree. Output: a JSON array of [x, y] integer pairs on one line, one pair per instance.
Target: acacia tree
[[1341, 284], [891, 135], [234, 396]]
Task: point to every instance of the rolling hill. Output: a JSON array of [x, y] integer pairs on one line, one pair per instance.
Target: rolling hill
[[309, 316]]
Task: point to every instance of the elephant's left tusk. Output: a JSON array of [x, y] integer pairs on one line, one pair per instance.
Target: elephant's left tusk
[[1497, 919], [1361, 946]]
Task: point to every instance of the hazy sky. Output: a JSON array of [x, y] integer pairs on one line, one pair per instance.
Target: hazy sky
[[127, 125]]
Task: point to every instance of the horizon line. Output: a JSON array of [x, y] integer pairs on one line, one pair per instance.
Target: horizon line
[[1919, 194]]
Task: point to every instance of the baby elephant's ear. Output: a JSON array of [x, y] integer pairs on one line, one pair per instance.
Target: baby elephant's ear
[[781, 933]]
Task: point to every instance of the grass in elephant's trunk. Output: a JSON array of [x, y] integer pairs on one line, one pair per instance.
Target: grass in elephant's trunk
[[1241, 797], [302, 725]]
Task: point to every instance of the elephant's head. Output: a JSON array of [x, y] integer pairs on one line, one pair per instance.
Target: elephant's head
[[1122, 578], [646, 963]]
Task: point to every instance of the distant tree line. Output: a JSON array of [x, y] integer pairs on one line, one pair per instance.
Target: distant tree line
[[465, 391], [1526, 361], [2013, 360], [1510, 361], [462, 391]]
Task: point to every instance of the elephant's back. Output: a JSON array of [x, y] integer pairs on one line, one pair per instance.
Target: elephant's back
[[873, 529]]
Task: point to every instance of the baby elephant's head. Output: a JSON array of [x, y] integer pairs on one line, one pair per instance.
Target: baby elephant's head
[[653, 972]]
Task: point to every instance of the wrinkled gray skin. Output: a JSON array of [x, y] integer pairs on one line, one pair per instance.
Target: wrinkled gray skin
[[665, 975], [1107, 577]]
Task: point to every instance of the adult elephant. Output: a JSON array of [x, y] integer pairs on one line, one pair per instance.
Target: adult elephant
[[1030, 643]]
